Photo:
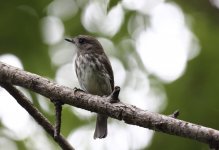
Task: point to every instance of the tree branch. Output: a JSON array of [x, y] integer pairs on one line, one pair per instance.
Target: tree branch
[[40, 119], [129, 113]]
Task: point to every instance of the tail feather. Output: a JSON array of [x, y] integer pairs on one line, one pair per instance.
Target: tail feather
[[101, 127]]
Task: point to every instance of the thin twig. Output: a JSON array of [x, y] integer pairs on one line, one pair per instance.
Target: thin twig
[[25, 103], [58, 112], [114, 96], [175, 114]]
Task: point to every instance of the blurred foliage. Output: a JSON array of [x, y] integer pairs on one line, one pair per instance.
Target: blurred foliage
[[195, 94], [20, 34]]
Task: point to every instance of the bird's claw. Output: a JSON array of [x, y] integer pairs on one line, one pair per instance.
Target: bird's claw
[[78, 90]]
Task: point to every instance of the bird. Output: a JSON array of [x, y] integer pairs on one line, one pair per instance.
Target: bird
[[94, 73]]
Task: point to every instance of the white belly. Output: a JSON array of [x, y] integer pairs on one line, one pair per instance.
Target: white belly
[[94, 81]]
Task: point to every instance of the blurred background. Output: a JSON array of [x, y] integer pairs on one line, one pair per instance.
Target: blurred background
[[164, 54]]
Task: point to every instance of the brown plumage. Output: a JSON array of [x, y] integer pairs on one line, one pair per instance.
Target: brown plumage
[[94, 72]]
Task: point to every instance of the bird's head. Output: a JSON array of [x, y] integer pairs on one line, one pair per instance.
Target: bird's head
[[86, 44]]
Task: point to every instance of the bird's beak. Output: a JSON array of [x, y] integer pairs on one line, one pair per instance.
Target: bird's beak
[[70, 40]]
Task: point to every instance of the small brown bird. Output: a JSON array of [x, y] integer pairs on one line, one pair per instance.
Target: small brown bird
[[94, 72]]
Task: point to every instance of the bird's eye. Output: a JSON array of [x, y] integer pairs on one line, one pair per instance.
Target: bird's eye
[[81, 41]]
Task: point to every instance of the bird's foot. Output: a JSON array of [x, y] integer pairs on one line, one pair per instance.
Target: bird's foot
[[78, 90]]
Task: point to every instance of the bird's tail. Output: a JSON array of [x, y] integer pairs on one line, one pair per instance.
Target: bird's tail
[[101, 127]]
